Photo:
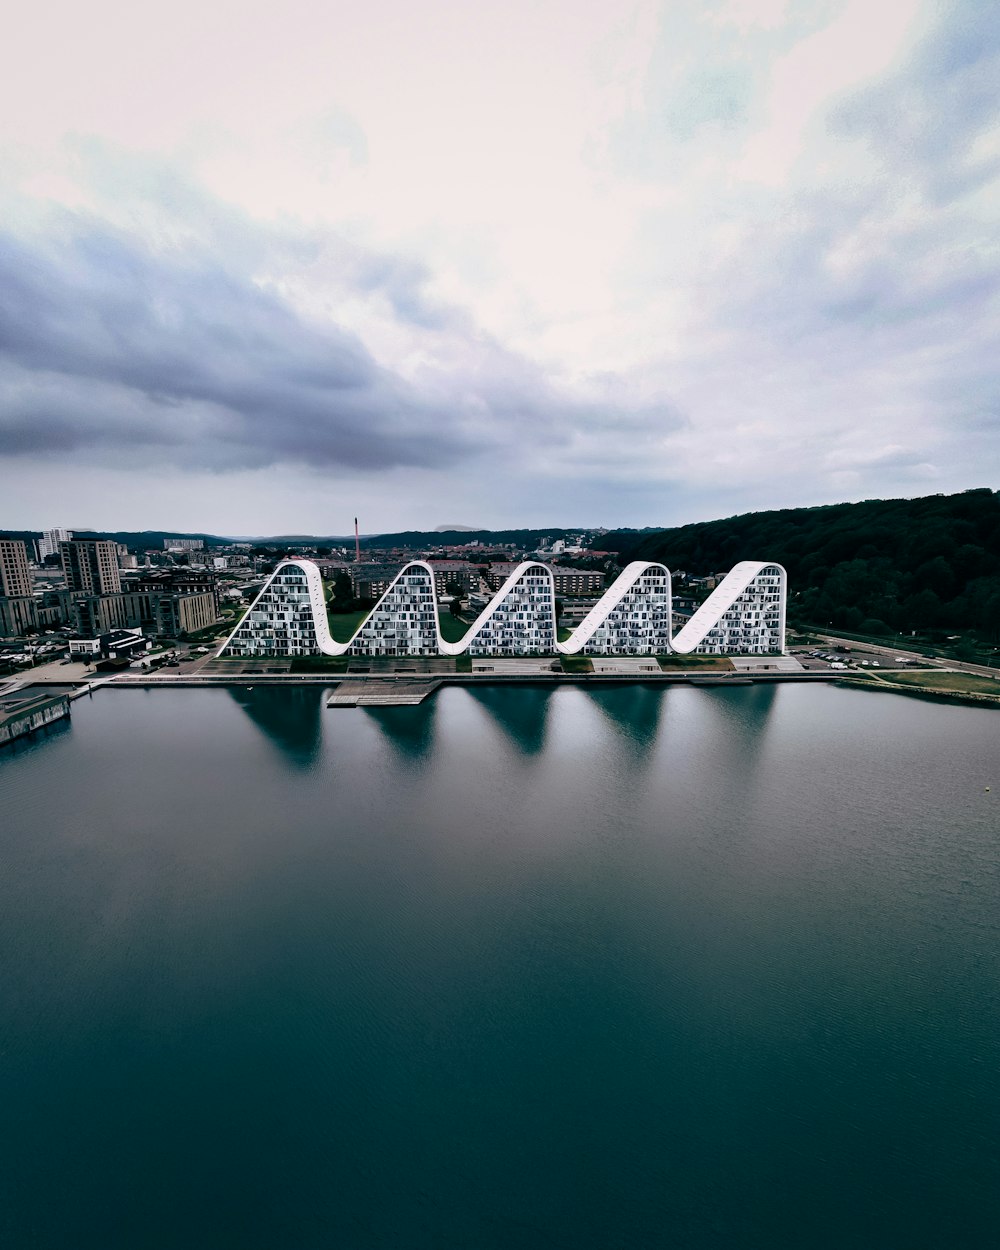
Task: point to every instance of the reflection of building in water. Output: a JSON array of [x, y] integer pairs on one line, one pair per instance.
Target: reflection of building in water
[[409, 729], [288, 715], [634, 710], [520, 711], [745, 615]]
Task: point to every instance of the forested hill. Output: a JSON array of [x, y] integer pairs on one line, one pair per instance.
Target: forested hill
[[878, 566]]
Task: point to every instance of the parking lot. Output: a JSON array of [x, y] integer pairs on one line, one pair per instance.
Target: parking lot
[[855, 657]]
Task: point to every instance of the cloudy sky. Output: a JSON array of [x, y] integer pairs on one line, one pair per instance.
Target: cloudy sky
[[265, 266]]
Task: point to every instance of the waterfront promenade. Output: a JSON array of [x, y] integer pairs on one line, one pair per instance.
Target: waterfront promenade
[[406, 681]]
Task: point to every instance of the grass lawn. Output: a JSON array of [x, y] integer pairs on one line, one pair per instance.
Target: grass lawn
[[344, 625], [453, 628], [710, 663], [463, 663], [562, 633], [959, 683], [319, 664], [576, 664]]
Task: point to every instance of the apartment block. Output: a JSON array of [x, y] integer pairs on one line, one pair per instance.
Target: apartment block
[[15, 575], [90, 566]]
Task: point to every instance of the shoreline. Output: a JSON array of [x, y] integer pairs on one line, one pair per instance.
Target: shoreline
[[404, 681]]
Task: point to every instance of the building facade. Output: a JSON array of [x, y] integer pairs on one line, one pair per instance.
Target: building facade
[[90, 566], [745, 615], [453, 572], [631, 618], [182, 581], [577, 581], [404, 621], [48, 544], [18, 616], [520, 620], [163, 614], [15, 575]]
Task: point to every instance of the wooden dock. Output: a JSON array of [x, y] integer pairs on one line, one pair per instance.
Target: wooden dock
[[383, 692]]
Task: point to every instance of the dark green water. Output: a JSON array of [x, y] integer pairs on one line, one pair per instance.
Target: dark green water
[[517, 969]]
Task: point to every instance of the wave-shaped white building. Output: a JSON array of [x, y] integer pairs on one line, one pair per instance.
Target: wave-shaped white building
[[744, 615]]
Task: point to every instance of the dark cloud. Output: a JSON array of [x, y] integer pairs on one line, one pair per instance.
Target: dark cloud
[[107, 341]]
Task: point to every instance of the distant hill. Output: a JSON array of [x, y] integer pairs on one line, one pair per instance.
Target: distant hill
[[138, 539], [455, 538], [881, 566]]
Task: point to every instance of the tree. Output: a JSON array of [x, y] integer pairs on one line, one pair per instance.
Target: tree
[[343, 588], [922, 610], [455, 607]]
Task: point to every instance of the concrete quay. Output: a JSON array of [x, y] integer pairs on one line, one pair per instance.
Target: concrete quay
[[405, 689], [24, 713], [407, 682]]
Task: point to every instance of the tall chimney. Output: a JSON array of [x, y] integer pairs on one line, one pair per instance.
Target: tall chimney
[[357, 543]]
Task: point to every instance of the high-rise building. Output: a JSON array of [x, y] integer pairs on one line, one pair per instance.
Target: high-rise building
[[91, 566], [15, 576], [48, 544]]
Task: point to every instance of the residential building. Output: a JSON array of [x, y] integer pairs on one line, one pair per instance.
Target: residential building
[[577, 581], [371, 581], [459, 572], [91, 566], [18, 616], [745, 615], [15, 575], [48, 544], [519, 621], [498, 573], [164, 613], [632, 617], [177, 581]]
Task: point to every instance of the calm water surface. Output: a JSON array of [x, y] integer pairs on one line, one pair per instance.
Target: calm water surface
[[518, 968]]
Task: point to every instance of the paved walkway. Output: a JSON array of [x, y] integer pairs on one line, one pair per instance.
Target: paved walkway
[[765, 664], [514, 668], [635, 665]]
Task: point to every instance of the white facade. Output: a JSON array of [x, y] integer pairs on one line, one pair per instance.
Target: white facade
[[745, 615], [632, 617], [404, 621], [520, 620], [48, 544], [282, 619]]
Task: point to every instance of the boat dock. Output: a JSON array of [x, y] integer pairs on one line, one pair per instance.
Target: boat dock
[[383, 692]]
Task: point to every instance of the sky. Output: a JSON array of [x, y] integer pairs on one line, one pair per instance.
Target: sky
[[267, 267]]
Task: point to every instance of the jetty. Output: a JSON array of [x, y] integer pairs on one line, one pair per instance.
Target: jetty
[[383, 692]]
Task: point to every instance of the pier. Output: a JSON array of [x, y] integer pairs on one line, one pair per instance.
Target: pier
[[383, 692]]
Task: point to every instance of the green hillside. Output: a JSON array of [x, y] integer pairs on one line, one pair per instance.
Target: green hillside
[[882, 566]]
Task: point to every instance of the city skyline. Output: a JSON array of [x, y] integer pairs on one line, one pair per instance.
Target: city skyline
[[640, 265]]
